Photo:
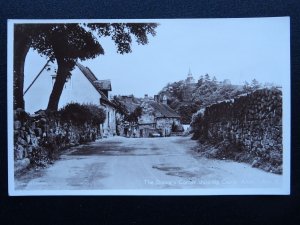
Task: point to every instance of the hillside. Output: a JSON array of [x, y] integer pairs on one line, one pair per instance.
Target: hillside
[[187, 97]]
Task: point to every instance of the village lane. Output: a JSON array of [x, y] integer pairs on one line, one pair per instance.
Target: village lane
[[143, 163]]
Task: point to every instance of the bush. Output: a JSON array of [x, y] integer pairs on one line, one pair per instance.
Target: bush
[[76, 113], [80, 114], [186, 112], [97, 114], [134, 116]]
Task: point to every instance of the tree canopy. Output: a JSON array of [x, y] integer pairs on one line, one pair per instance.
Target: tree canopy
[[134, 116], [205, 92], [66, 43], [121, 33], [70, 41]]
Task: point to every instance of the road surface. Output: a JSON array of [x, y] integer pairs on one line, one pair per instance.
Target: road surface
[[142, 163]]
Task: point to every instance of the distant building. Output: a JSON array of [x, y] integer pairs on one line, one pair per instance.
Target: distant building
[[157, 118], [190, 79], [189, 87], [108, 128]]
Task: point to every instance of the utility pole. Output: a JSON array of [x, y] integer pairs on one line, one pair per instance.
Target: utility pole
[[36, 77]]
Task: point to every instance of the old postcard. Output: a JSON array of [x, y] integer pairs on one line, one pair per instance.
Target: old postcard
[[149, 107]]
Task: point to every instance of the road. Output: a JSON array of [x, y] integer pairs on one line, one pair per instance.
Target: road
[[142, 163]]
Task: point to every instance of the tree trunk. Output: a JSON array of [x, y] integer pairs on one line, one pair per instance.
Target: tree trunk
[[63, 70], [21, 48]]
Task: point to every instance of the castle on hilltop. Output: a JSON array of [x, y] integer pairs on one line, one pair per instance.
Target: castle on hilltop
[[190, 86], [190, 79]]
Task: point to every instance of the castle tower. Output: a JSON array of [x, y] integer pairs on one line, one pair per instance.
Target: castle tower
[[190, 79], [190, 86]]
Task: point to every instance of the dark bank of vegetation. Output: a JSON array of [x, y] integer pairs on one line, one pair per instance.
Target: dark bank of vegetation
[[80, 114], [188, 99]]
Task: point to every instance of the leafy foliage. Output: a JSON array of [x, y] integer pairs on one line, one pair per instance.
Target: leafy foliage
[[121, 33], [186, 112], [177, 127], [134, 116], [68, 41], [204, 92], [247, 88], [80, 114], [97, 114]]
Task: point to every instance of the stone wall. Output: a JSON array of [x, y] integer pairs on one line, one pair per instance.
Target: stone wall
[[39, 137], [247, 128]]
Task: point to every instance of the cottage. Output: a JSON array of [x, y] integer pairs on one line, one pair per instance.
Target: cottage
[[166, 119], [108, 128], [157, 118]]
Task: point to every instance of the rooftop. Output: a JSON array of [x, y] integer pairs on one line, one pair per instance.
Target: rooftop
[[162, 110], [104, 85], [98, 84]]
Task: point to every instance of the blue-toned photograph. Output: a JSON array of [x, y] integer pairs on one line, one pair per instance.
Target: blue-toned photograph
[[149, 107]]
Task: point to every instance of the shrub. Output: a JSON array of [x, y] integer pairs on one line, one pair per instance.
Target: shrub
[[186, 112], [80, 114], [97, 114], [134, 116]]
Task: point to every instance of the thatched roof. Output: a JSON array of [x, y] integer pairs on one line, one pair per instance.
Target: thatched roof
[[99, 85], [163, 110]]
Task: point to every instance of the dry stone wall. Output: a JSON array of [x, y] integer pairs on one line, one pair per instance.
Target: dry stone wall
[[39, 137], [247, 128]]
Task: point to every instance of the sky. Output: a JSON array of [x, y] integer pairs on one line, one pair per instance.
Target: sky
[[235, 49]]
